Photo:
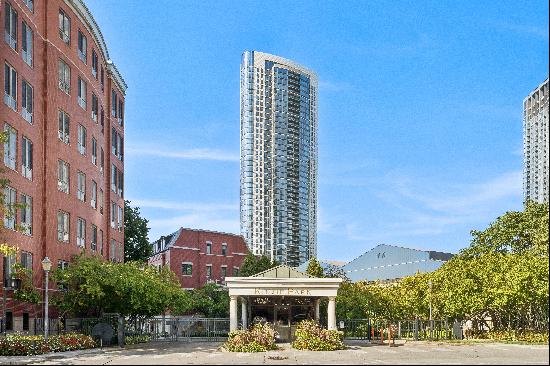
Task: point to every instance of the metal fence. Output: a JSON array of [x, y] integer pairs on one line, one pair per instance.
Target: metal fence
[[416, 329], [180, 328]]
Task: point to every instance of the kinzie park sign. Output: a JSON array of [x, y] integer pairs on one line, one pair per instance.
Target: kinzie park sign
[[282, 291]]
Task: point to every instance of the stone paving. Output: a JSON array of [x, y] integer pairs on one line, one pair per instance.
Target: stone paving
[[195, 353]]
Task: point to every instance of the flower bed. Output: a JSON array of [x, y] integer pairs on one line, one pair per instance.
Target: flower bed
[[259, 338], [24, 345], [310, 336]]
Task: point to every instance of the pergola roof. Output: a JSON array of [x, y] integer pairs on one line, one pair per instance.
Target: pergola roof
[[282, 281], [282, 271]]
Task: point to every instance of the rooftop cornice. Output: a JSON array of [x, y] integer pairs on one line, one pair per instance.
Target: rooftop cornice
[[85, 14]]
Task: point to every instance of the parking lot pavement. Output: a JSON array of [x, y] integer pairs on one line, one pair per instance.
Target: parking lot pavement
[[358, 352]]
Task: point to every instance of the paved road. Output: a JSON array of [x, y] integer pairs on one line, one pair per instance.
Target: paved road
[[357, 353]]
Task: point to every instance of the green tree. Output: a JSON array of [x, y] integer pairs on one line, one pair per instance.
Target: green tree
[[136, 242], [255, 264], [514, 232], [95, 286], [314, 268]]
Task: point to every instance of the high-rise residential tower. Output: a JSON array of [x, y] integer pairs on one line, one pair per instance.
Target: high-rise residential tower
[[535, 144], [278, 158]]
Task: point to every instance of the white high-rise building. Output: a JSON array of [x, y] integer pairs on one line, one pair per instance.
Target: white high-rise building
[[535, 144], [278, 184]]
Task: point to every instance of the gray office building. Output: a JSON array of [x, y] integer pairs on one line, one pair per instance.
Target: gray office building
[[535, 144], [278, 183]]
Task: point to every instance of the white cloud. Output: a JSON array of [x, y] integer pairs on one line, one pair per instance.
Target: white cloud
[[184, 206], [424, 208], [190, 154], [223, 217]]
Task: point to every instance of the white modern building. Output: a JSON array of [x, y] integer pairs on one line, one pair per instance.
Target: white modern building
[[278, 182], [535, 144]]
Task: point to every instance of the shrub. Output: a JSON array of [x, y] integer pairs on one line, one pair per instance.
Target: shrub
[[138, 338], [24, 345], [259, 338], [518, 336], [310, 336]]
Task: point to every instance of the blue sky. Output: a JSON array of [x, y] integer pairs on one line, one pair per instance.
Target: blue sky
[[420, 110]]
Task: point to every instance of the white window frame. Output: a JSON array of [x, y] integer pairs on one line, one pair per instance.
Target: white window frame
[[10, 147], [187, 264], [119, 218], [63, 131], [63, 176], [81, 186], [209, 271], [113, 214], [114, 179], [81, 143], [208, 247], [95, 62], [64, 76], [80, 232], [27, 96], [63, 226], [114, 106], [82, 47], [26, 214], [93, 238], [101, 201], [94, 151], [93, 199], [26, 43], [10, 199], [10, 86], [11, 23], [82, 90], [64, 27], [26, 157], [95, 106], [101, 161], [100, 242]]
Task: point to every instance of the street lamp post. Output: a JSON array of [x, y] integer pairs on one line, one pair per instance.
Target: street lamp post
[[46, 266], [430, 295]]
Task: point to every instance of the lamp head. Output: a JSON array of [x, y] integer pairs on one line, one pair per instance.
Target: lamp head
[[46, 264]]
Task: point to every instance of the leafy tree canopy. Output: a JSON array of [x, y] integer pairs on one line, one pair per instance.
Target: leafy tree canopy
[[95, 286], [136, 242], [252, 265], [502, 275], [514, 232], [314, 268]]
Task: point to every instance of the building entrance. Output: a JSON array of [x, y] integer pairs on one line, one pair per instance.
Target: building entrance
[[281, 296], [283, 312]]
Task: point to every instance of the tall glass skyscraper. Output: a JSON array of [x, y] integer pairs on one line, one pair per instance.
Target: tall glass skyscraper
[[278, 158], [535, 145]]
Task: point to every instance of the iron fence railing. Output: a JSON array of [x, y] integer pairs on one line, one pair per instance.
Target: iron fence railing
[[180, 328], [416, 329]]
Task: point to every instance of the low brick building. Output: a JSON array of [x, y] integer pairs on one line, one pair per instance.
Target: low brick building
[[200, 256]]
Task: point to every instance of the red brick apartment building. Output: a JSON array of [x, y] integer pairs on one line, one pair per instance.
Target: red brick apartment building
[[200, 256], [63, 112]]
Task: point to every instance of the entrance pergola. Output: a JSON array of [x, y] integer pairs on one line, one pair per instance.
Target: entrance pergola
[[281, 284]]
